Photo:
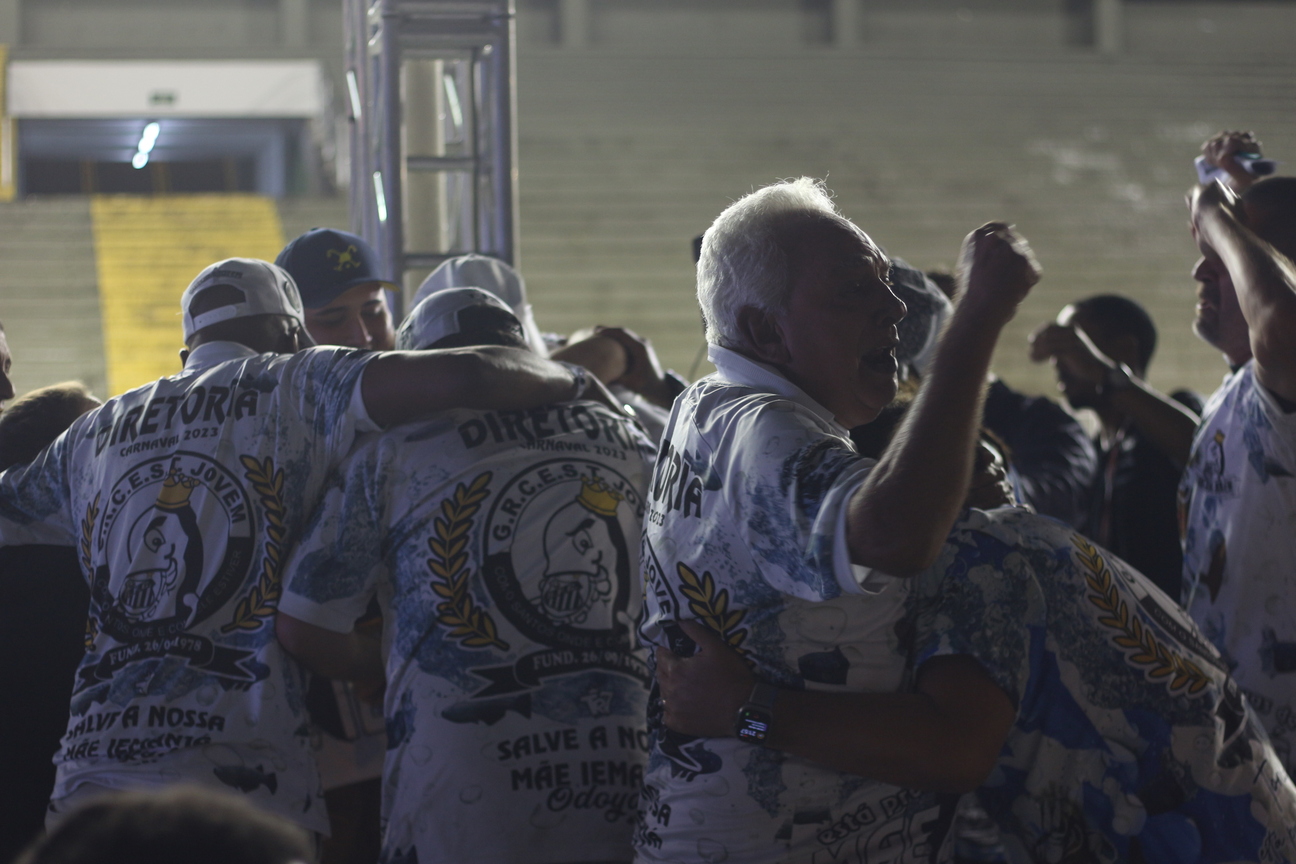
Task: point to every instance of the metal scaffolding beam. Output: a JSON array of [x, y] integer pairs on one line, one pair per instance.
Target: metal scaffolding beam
[[431, 97]]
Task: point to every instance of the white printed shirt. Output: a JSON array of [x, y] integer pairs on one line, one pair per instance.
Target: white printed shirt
[[510, 590], [746, 533], [184, 498], [1238, 508]]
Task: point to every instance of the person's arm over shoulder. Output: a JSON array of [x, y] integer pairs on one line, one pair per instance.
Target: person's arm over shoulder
[[36, 499], [402, 386]]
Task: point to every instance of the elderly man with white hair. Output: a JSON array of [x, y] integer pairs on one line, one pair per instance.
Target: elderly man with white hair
[[516, 693], [765, 525]]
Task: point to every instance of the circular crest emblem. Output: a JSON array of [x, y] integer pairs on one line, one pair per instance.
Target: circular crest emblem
[[174, 545], [558, 559]]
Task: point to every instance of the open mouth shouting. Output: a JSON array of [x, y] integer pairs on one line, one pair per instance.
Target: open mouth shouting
[[881, 360]]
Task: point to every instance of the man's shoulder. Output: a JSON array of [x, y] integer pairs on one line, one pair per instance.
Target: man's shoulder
[[715, 407], [457, 439]]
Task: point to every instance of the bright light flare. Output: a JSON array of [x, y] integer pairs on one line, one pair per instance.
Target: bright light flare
[[148, 138], [380, 198]]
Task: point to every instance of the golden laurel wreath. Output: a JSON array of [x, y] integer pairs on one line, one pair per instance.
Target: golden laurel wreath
[[87, 533], [711, 606], [259, 605], [469, 624], [1139, 643]]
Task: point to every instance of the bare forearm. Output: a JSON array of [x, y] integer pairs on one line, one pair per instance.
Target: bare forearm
[[1265, 282], [944, 737], [1166, 423], [402, 386], [354, 656], [601, 355], [903, 512], [899, 738]]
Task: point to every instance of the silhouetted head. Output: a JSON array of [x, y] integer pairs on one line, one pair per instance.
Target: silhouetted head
[[189, 824], [33, 422]]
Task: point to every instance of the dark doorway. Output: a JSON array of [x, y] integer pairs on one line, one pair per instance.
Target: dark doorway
[[83, 177]]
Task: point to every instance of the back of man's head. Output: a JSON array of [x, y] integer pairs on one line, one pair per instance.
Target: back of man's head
[[1270, 206], [1115, 317], [748, 253], [458, 318], [179, 824], [32, 423], [244, 300]]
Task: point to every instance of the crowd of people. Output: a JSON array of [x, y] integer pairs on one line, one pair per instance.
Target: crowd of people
[[459, 590]]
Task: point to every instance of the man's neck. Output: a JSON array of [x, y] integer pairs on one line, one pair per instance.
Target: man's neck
[[1111, 420]]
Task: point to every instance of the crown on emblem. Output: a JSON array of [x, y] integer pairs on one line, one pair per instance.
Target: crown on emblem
[[176, 490], [596, 497]]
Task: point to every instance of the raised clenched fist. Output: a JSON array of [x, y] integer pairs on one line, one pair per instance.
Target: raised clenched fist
[[996, 270]]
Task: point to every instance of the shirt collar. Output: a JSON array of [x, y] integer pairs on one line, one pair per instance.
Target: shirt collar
[[211, 354], [739, 369]]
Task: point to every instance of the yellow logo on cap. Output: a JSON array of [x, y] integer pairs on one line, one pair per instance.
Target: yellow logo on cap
[[347, 259]]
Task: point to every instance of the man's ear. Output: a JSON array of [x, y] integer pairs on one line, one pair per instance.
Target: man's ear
[[763, 335]]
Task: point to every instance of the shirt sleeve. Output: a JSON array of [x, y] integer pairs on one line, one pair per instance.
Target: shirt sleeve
[[325, 392], [851, 577], [789, 486], [36, 499], [982, 599], [334, 571]]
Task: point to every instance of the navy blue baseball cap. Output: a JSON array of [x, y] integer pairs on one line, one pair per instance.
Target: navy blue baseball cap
[[324, 263]]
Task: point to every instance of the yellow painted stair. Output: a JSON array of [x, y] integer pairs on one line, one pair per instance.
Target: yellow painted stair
[[147, 251]]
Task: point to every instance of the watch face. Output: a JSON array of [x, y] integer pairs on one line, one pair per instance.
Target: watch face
[[752, 725]]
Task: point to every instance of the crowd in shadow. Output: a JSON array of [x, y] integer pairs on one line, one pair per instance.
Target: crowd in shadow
[[456, 589]]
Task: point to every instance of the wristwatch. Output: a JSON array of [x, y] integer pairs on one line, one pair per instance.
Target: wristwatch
[[754, 719]]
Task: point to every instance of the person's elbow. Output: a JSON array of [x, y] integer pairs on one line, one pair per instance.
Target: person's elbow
[[905, 554]]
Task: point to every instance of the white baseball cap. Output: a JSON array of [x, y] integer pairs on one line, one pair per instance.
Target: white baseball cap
[[265, 289], [437, 316], [492, 275]]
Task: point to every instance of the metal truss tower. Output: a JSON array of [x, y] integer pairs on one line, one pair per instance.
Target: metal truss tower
[[431, 94]]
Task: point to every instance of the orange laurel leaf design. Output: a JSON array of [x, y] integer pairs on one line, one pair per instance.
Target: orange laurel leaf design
[[1139, 643], [711, 606], [258, 606], [471, 625]]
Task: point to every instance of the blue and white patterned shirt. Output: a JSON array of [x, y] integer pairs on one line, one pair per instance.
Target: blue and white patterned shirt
[[509, 585], [1129, 732], [183, 498], [746, 533], [1238, 511]]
